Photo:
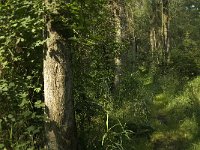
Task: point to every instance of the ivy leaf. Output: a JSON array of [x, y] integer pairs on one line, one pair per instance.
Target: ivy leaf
[[11, 84], [10, 116], [5, 89], [39, 104], [37, 90]]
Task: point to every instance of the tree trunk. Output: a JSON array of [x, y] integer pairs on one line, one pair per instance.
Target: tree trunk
[[155, 32], [165, 28], [120, 24], [159, 31], [115, 9], [60, 124]]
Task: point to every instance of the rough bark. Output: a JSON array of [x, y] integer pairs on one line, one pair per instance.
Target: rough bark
[[60, 124]]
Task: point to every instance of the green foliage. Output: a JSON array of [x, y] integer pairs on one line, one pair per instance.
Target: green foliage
[[21, 74], [158, 106]]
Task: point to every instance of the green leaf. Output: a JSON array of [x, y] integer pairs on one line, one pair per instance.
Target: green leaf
[[14, 25], [31, 128], [26, 113], [37, 90], [10, 116], [29, 77], [2, 37], [39, 104], [13, 119], [39, 43], [33, 30], [11, 84], [5, 89], [1, 146], [24, 102]]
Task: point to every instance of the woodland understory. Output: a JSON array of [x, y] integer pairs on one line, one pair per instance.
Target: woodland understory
[[100, 74]]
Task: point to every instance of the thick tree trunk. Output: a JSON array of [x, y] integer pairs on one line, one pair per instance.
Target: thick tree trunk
[[60, 125]]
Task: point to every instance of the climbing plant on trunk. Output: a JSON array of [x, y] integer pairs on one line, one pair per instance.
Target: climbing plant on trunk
[[60, 125]]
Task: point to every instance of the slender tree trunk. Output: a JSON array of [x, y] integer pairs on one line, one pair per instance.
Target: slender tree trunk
[[120, 25], [159, 31], [117, 24], [165, 29], [60, 125], [155, 32]]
